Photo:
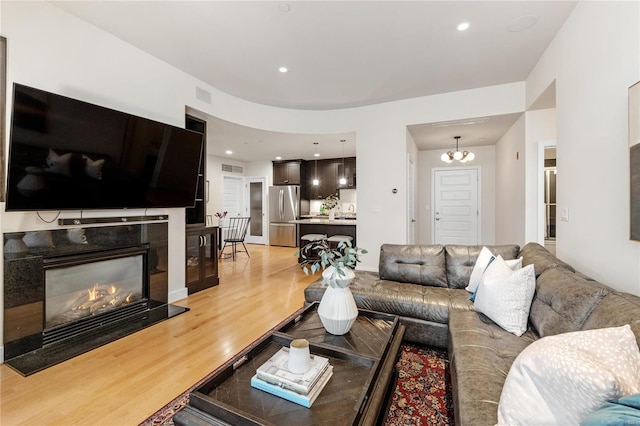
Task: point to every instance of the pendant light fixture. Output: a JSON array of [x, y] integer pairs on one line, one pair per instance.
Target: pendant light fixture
[[343, 179], [462, 157], [316, 181]]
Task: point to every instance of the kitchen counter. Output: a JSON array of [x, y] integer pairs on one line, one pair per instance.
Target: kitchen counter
[[326, 227], [324, 221]]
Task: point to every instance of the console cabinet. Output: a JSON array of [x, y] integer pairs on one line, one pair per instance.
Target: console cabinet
[[202, 258]]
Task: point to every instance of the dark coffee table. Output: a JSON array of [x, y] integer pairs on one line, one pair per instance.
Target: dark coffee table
[[363, 371]]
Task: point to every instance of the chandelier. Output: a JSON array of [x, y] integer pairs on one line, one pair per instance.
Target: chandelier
[[462, 157]]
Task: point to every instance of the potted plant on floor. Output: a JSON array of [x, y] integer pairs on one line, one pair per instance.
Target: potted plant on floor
[[337, 309]]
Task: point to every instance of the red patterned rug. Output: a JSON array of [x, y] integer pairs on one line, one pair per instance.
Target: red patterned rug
[[422, 394], [423, 391]]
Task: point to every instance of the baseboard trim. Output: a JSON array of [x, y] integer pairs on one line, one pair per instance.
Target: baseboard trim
[[178, 294]]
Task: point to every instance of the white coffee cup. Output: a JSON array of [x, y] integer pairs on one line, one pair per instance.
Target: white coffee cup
[[299, 356]]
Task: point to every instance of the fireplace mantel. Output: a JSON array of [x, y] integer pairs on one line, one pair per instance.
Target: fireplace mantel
[[24, 288]]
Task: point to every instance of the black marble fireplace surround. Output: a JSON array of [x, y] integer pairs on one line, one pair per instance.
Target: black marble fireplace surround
[[28, 344]]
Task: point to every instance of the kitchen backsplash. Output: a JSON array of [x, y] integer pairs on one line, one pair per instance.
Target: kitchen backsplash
[[347, 204]]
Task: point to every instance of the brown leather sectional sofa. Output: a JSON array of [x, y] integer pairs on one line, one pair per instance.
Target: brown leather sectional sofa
[[424, 286]]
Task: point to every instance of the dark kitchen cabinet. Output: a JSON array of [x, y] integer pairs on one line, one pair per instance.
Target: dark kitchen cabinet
[[195, 216], [329, 173], [202, 258], [287, 172], [348, 170], [329, 179]]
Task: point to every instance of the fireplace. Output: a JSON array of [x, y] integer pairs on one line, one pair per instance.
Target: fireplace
[[65, 295], [88, 291]]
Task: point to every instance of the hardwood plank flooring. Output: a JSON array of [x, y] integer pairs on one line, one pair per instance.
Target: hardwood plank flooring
[[126, 381]]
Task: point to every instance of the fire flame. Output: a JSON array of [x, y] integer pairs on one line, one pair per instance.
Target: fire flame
[[93, 293]]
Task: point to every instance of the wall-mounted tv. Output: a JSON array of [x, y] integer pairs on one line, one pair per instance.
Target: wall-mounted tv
[[66, 154]]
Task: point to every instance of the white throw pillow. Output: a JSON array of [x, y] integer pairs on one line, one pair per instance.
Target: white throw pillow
[[561, 379], [478, 269], [483, 260], [514, 264], [505, 295]]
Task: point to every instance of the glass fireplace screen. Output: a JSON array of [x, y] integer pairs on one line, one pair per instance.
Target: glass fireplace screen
[[80, 291]]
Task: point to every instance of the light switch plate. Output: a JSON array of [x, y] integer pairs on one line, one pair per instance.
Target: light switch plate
[[564, 214]]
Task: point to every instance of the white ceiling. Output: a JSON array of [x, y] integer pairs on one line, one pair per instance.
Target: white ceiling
[[339, 53]]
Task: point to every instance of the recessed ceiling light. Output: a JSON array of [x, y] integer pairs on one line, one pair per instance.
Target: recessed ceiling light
[[278, 158], [316, 154], [228, 152], [283, 69], [463, 26], [284, 7], [522, 23]]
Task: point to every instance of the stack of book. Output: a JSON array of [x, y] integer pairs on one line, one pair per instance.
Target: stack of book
[[274, 377]]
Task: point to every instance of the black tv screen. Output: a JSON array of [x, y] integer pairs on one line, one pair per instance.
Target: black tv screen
[[66, 154]]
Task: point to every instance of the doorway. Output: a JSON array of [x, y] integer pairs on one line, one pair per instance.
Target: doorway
[[456, 212], [255, 208], [411, 207], [232, 195], [547, 216]]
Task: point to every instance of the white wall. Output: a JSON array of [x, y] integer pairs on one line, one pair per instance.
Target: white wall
[[412, 154], [594, 59], [510, 184], [485, 157], [540, 128]]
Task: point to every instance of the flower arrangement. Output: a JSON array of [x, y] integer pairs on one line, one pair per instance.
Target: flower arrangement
[[221, 215], [331, 202], [344, 255]]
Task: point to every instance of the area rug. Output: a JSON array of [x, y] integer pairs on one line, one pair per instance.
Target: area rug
[[422, 394]]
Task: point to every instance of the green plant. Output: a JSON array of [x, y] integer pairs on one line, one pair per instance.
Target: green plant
[[331, 202], [344, 255]]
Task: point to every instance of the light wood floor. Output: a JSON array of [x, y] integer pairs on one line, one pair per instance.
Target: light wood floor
[[126, 381]]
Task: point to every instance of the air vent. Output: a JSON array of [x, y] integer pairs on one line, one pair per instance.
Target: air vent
[[203, 95], [232, 169]]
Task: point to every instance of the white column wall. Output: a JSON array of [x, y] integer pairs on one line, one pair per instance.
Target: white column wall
[[510, 184], [594, 59]]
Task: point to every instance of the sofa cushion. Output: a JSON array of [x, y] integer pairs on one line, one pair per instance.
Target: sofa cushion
[[462, 259], [480, 355], [614, 310], [534, 253], [406, 300], [563, 301], [561, 379], [417, 264], [505, 295]]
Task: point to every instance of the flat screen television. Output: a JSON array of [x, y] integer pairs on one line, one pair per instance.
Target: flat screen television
[[66, 154]]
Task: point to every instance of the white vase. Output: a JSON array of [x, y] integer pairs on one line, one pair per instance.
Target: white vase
[[332, 215], [337, 309]]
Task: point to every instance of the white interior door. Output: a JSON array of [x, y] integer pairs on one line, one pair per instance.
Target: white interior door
[[456, 213], [232, 198], [256, 208], [411, 207]]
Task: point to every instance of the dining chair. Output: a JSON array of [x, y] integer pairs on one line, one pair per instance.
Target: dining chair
[[235, 234]]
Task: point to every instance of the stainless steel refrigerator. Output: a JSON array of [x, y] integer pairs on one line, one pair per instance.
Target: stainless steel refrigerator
[[284, 205]]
